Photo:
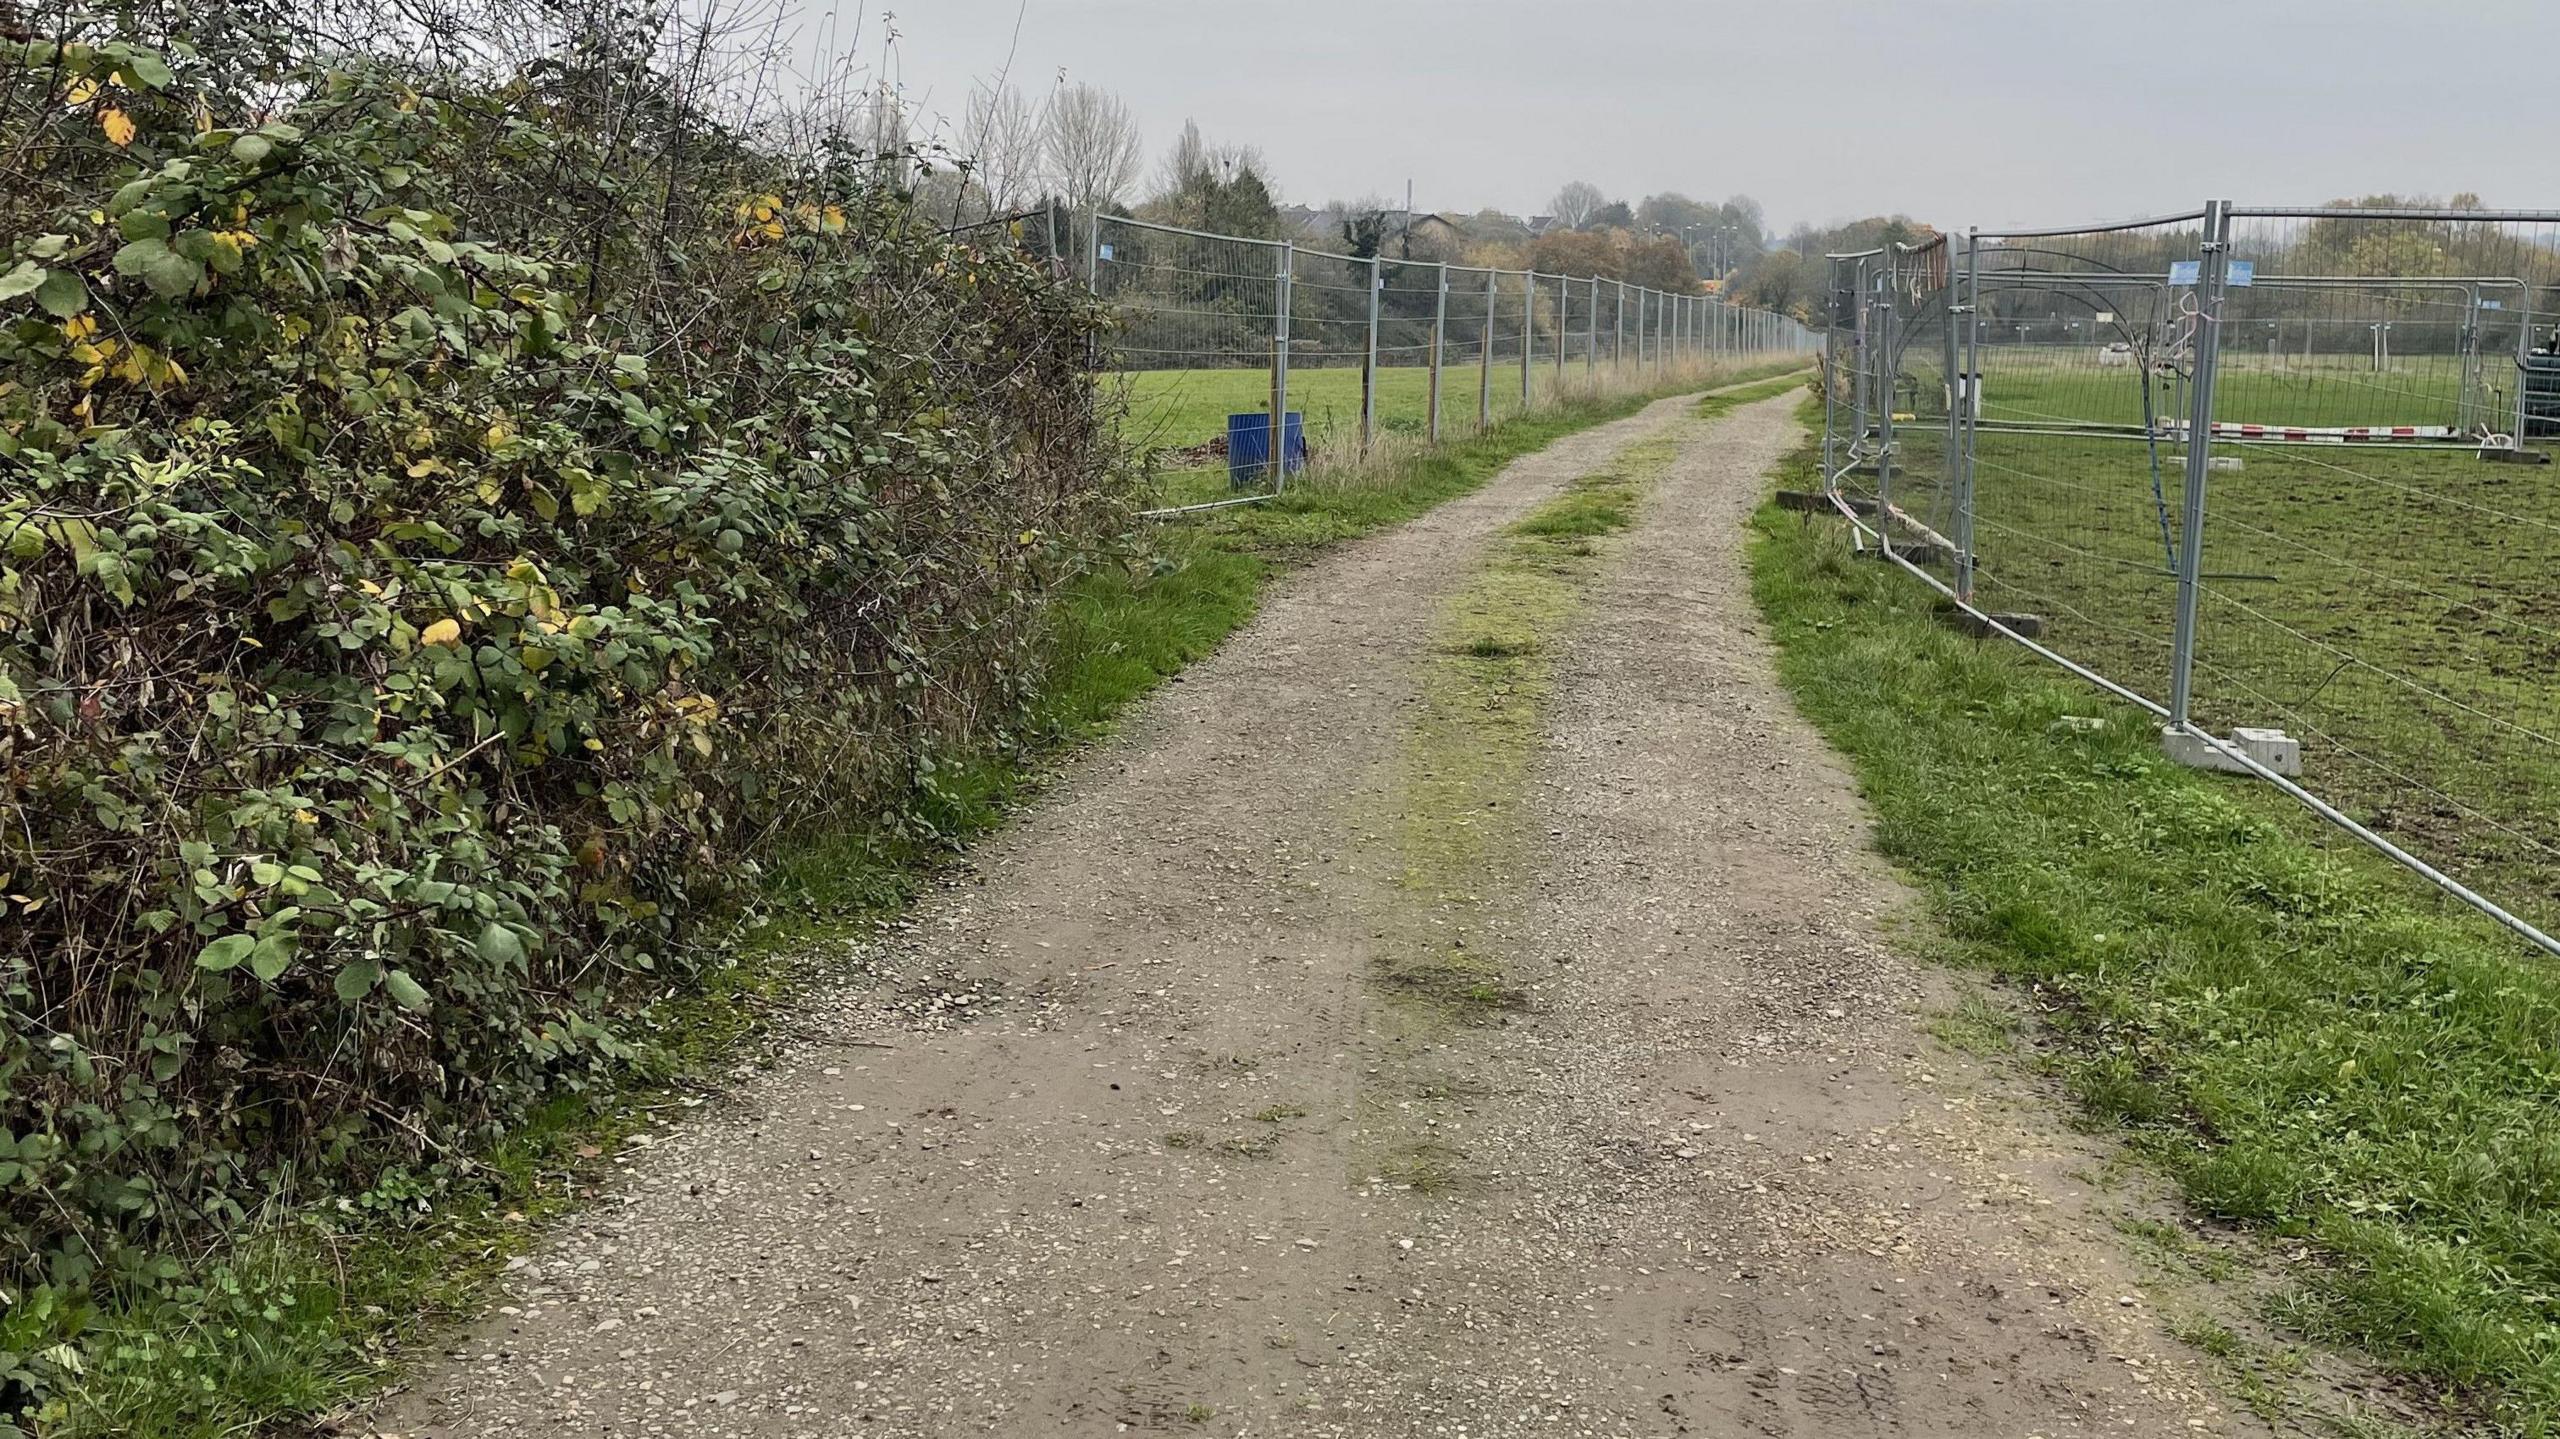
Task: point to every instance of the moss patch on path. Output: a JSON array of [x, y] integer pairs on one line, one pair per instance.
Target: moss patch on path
[[1466, 756]]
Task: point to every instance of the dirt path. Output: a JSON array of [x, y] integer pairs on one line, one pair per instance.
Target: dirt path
[[1130, 1135]]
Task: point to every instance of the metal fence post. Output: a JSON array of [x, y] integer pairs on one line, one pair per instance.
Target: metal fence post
[[1439, 334], [1831, 389], [1861, 317], [1093, 251], [2524, 347], [1280, 371], [1591, 334], [1528, 330], [1484, 375], [2212, 268], [1369, 367], [1883, 336], [1564, 328], [1968, 408], [1618, 321]]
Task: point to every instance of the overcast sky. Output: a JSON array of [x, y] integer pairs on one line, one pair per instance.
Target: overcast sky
[[1958, 112]]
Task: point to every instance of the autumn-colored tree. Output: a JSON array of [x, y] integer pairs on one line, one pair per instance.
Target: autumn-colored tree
[[1658, 262], [1576, 252]]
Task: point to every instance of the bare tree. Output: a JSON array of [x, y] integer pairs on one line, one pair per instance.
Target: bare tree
[[882, 130], [1575, 204], [1187, 165], [1001, 139], [1092, 146]]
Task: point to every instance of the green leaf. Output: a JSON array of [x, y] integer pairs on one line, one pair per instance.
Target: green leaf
[[249, 149], [226, 952], [168, 273], [48, 247], [357, 980], [404, 991], [23, 280], [273, 955], [499, 945], [63, 294], [148, 70]]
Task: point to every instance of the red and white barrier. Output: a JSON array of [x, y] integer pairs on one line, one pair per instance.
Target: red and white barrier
[[2322, 434]]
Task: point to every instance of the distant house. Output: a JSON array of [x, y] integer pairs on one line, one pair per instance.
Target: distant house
[[1541, 224], [1426, 234]]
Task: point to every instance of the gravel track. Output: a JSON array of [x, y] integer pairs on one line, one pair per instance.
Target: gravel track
[[1088, 1144]]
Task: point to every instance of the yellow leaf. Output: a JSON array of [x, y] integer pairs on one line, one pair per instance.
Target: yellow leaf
[[79, 327], [442, 632], [118, 125], [80, 91]]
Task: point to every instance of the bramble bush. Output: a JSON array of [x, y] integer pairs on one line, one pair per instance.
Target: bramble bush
[[444, 547]]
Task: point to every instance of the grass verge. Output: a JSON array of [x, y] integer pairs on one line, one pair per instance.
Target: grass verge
[[1733, 397], [2309, 1042], [315, 1308]]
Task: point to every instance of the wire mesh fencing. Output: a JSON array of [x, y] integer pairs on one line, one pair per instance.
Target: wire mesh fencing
[[1224, 341], [2279, 474]]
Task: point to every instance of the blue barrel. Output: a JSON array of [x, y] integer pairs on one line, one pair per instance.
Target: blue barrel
[[1249, 447]]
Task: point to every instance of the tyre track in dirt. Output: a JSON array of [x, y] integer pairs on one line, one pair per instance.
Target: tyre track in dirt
[[1093, 1149]]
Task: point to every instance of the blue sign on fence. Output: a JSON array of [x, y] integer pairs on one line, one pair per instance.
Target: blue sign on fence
[[1106, 252], [2182, 272], [2243, 273]]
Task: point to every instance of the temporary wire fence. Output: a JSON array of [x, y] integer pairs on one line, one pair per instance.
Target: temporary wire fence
[[1333, 351], [2343, 589]]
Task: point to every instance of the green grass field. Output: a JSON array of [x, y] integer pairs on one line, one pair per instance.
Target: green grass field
[[1177, 409], [2390, 608], [2050, 385], [2307, 1038], [1172, 412]]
